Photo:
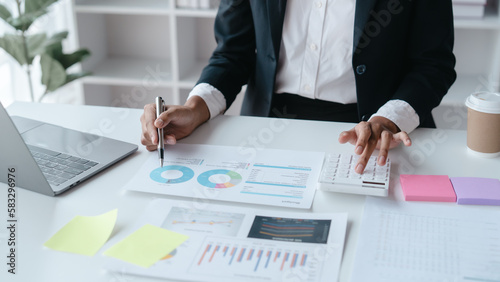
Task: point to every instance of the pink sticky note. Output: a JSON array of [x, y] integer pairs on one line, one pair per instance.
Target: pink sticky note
[[430, 188]]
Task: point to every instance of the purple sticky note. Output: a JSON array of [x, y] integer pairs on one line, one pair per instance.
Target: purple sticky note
[[430, 188], [476, 190]]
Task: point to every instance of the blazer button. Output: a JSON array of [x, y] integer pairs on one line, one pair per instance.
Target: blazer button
[[360, 69]]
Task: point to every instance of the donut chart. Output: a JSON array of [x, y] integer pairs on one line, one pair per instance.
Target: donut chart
[[187, 174], [204, 178]]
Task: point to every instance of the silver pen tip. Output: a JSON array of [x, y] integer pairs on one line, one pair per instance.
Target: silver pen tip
[[161, 162]]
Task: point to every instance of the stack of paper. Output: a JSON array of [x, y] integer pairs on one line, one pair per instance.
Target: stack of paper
[[416, 242], [217, 243], [472, 9]]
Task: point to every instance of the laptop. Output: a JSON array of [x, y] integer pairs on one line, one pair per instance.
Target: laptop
[[51, 159]]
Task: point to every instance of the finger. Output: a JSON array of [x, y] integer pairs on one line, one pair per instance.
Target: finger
[[366, 154], [151, 148], [170, 139], [371, 133], [385, 142], [163, 121], [165, 117], [363, 132], [361, 164], [147, 121], [145, 141], [146, 137], [348, 136], [403, 136], [400, 137]]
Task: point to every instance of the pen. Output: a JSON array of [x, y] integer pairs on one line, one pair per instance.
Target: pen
[[159, 109]]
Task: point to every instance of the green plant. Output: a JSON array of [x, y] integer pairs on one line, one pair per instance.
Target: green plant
[[25, 47]]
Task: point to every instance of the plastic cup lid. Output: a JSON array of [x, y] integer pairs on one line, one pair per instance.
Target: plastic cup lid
[[486, 102]]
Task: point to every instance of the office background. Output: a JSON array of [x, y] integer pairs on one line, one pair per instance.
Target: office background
[[143, 49]]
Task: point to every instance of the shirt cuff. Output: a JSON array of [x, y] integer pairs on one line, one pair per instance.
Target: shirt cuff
[[401, 113], [214, 99]]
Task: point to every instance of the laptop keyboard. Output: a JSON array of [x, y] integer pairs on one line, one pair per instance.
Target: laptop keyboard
[[58, 167]]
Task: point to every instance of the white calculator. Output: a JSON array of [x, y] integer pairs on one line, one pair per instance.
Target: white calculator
[[338, 175]]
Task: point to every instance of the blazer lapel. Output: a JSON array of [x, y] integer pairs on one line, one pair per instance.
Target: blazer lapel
[[363, 8], [276, 16]]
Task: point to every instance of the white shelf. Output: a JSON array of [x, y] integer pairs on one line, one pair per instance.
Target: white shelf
[[191, 76], [209, 13], [452, 112], [490, 21], [463, 87], [124, 96], [142, 7], [131, 72]]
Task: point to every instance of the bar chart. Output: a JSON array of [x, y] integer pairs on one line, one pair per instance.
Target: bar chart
[[290, 229], [268, 260]]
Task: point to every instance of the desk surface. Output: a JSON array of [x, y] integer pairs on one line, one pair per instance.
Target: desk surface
[[433, 152]]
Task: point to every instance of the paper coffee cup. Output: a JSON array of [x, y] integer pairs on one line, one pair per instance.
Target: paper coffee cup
[[483, 124]]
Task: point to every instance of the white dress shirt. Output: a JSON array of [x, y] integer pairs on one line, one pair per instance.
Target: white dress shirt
[[316, 51], [315, 60]]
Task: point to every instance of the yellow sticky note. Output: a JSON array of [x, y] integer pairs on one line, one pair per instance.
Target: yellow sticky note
[[146, 246], [84, 235]]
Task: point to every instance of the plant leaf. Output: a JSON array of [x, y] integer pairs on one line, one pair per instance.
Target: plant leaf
[[35, 44], [33, 9], [53, 74], [5, 13], [53, 46], [57, 38], [68, 60], [74, 76], [31, 6], [24, 21], [13, 44]]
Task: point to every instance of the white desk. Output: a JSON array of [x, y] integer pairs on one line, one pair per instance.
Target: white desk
[[433, 152]]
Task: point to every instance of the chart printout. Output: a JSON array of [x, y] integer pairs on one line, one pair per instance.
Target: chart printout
[[234, 244], [435, 242], [269, 176]]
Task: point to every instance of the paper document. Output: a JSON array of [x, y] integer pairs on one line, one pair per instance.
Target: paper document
[[236, 244], [400, 241], [236, 174]]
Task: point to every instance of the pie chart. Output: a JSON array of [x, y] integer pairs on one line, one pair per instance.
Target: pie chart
[[172, 174], [219, 178]]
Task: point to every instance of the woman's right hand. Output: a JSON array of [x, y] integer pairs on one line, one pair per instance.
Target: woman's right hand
[[177, 122]]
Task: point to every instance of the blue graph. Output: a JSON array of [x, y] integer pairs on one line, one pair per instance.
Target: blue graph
[[156, 174]]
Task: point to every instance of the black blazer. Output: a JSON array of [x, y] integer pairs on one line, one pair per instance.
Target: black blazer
[[402, 50]]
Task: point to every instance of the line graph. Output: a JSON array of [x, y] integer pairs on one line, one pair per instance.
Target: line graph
[[203, 221], [211, 222]]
